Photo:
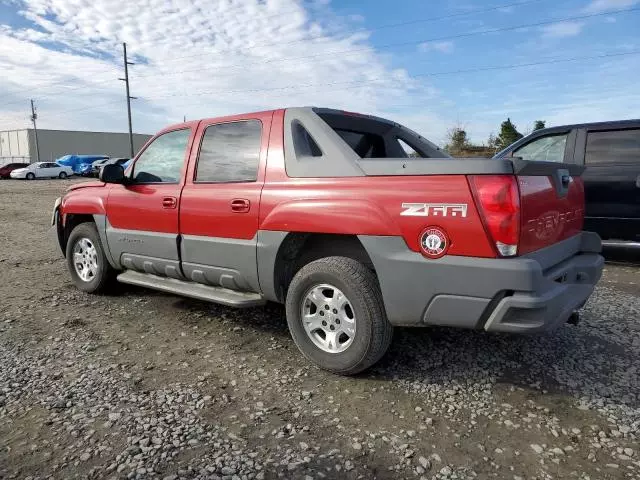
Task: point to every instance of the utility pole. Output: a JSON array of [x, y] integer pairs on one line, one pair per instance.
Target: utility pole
[[129, 97], [34, 117]]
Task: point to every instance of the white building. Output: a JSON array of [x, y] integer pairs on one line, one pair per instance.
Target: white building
[[20, 145]]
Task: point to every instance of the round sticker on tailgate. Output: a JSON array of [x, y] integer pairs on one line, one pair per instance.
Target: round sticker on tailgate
[[434, 242]]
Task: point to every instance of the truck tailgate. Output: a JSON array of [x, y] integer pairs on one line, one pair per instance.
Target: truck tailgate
[[551, 202]]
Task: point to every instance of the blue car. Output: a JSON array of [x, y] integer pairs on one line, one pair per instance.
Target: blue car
[[80, 164]]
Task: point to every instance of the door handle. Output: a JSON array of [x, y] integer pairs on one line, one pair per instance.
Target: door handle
[[169, 202], [240, 205]]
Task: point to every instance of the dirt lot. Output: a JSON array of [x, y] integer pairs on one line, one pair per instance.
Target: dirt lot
[[140, 384]]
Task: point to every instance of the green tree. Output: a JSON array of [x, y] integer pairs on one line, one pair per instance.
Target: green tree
[[539, 125], [457, 139], [493, 141], [508, 134]]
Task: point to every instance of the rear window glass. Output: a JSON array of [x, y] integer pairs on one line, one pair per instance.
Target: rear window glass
[[614, 146], [372, 137], [303, 142], [366, 145], [408, 149]]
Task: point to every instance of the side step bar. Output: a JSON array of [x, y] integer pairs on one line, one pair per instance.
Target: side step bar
[[207, 293]]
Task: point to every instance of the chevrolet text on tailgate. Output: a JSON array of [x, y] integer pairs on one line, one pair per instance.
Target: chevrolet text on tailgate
[[327, 212]]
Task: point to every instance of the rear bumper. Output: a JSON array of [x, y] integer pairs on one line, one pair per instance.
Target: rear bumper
[[526, 294], [563, 290]]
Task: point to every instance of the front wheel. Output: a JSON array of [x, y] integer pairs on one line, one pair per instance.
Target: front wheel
[[30, 176], [62, 175], [336, 315], [90, 270]]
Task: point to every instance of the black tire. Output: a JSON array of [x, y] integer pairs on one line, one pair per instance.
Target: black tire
[[30, 176], [105, 275], [360, 285], [63, 175]]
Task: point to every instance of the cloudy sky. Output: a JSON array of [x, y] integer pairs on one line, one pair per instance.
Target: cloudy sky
[[431, 65]]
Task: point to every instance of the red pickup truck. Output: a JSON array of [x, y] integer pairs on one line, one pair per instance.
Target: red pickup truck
[[355, 222]]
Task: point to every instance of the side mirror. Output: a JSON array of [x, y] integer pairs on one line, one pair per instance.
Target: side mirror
[[112, 173]]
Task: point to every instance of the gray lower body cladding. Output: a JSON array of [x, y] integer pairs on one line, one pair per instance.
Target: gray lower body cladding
[[525, 294]]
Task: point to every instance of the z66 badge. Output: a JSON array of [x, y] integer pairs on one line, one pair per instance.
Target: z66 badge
[[434, 242]]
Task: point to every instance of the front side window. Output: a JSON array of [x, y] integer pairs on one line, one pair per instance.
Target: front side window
[[162, 160], [230, 152], [614, 146], [545, 149]]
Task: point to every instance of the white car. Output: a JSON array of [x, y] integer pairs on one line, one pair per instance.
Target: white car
[[42, 170]]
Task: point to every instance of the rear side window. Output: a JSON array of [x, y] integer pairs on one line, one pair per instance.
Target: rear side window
[[544, 149], [408, 149], [303, 142], [162, 160], [613, 146], [365, 144], [230, 152]]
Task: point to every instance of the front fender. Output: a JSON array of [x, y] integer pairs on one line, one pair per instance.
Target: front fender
[[84, 202], [347, 217]]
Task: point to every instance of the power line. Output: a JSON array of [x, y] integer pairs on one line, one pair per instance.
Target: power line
[[389, 107], [381, 47], [372, 29], [90, 107], [286, 12], [469, 34], [453, 72], [396, 44], [358, 83], [322, 35]]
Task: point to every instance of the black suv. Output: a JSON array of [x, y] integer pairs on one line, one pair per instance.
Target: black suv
[[611, 153]]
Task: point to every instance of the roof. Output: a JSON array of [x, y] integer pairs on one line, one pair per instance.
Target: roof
[[229, 118], [237, 116], [610, 124]]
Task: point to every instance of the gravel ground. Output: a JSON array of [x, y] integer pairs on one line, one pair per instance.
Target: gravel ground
[[145, 385]]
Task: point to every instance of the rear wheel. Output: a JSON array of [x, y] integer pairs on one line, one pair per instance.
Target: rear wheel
[[30, 176], [63, 175], [336, 316], [90, 270]]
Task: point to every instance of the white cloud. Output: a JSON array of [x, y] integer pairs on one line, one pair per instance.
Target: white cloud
[[197, 58], [562, 29], [441, 47], [597, 6]]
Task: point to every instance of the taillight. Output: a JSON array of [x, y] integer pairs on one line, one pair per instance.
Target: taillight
[[498, 200]]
